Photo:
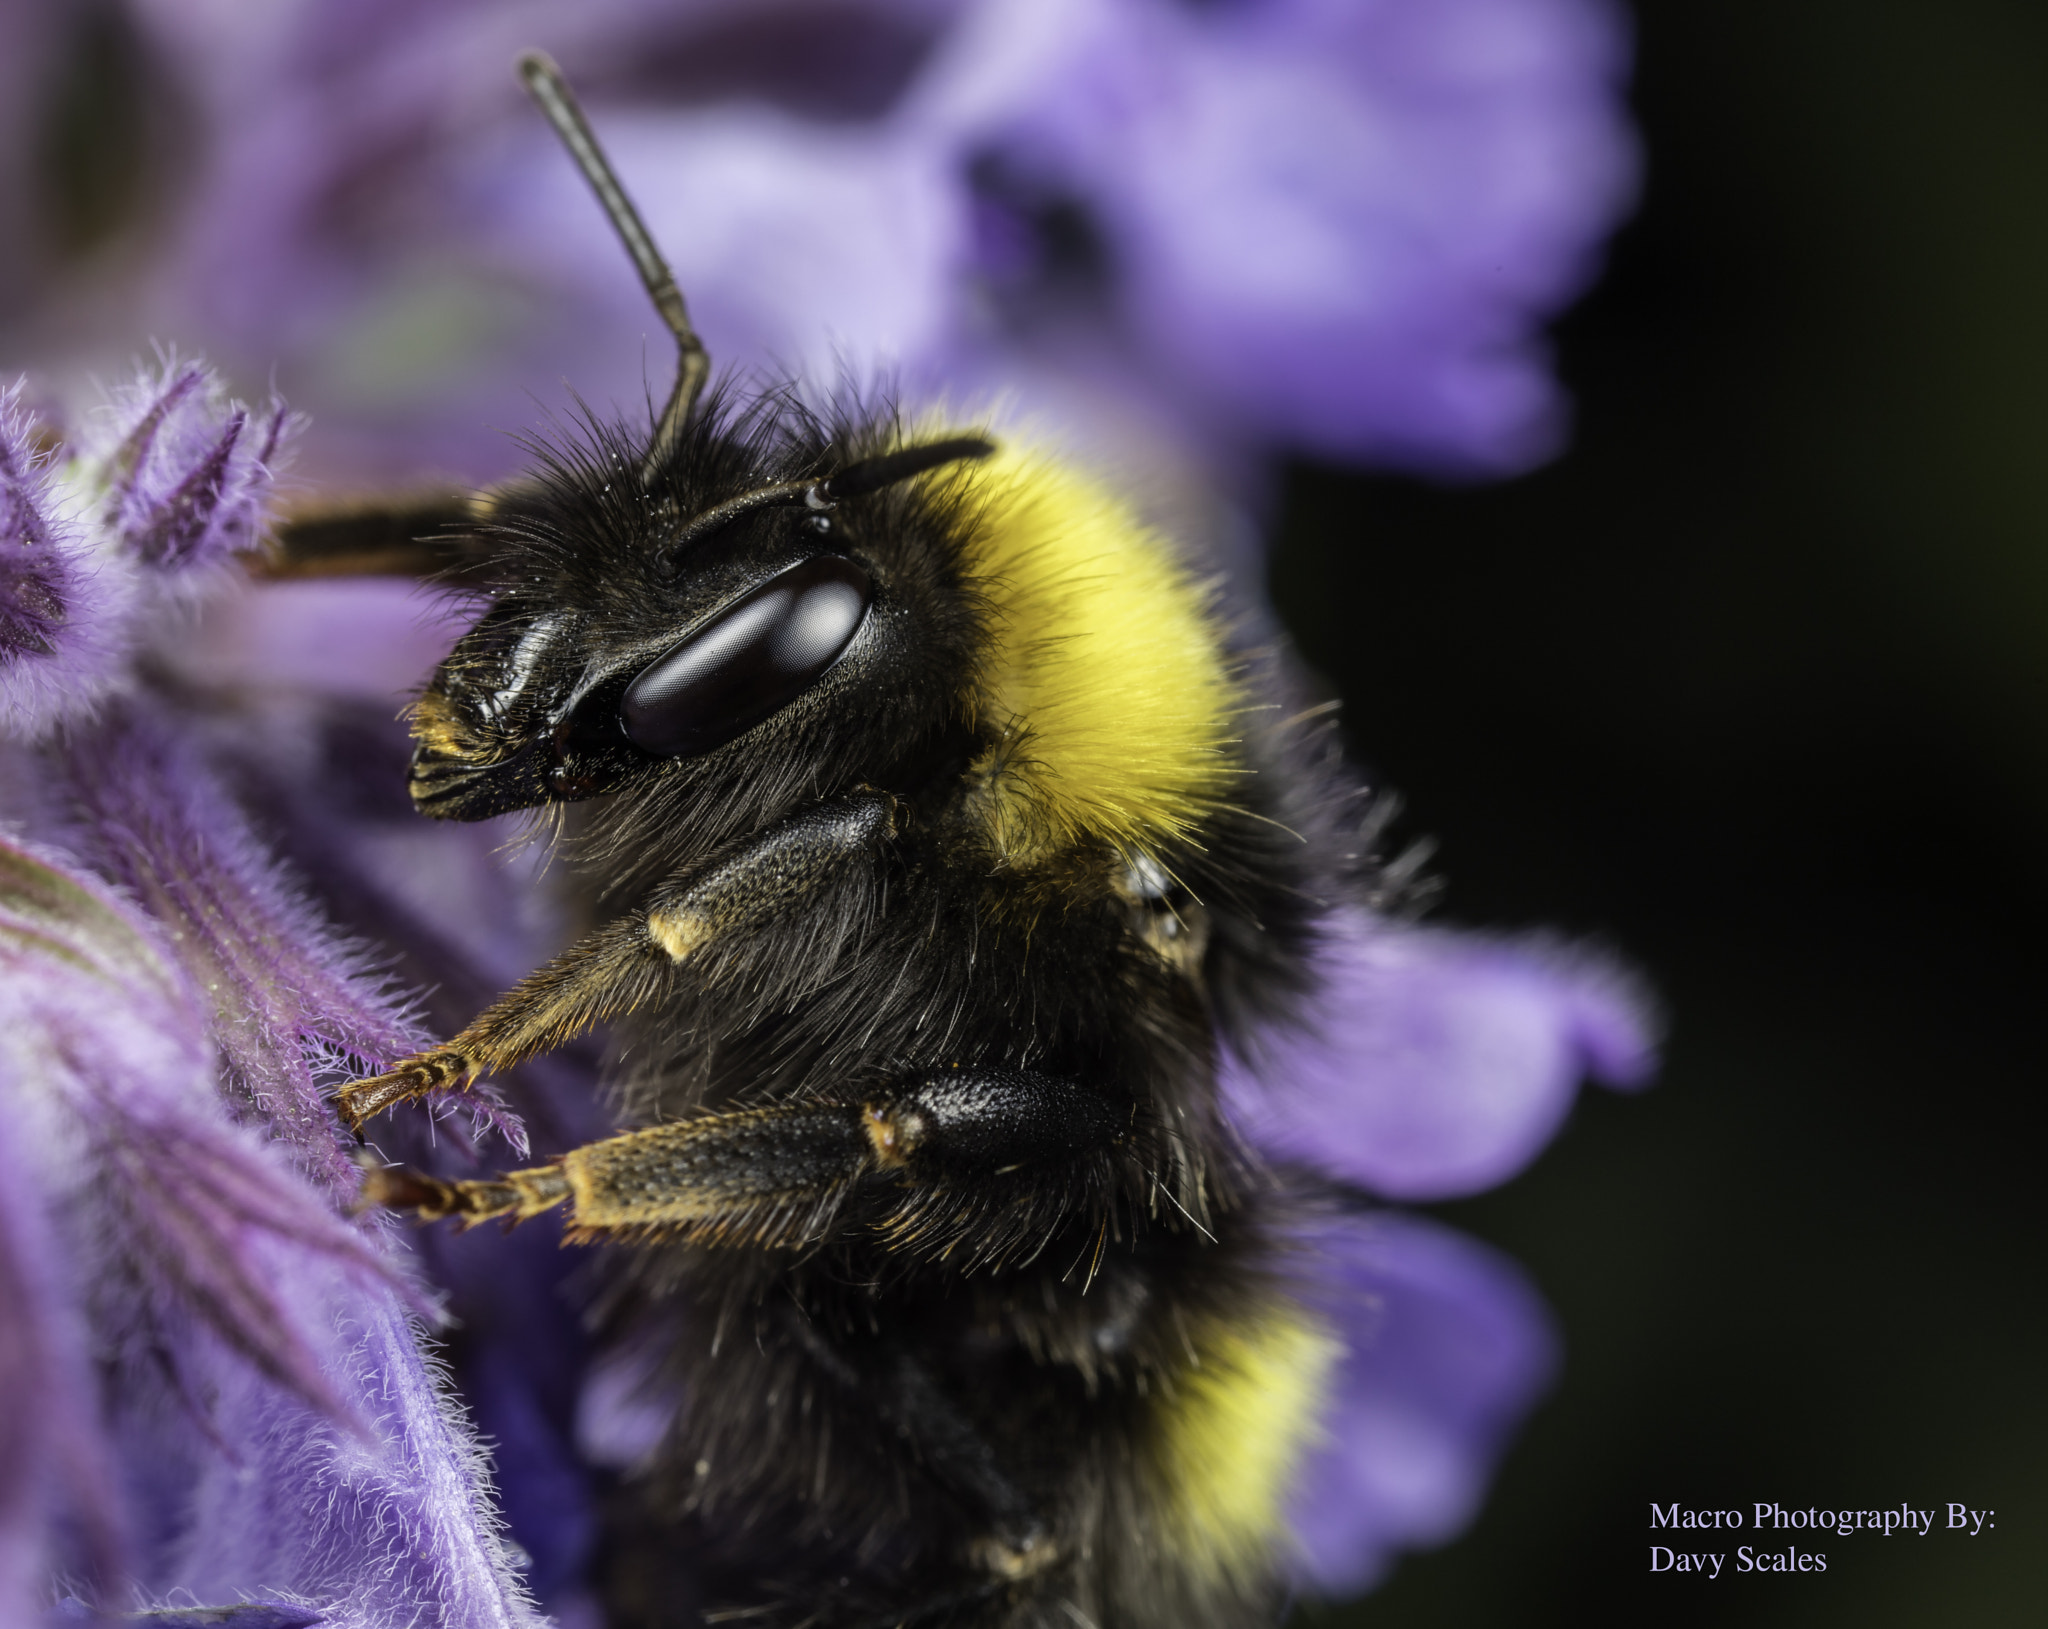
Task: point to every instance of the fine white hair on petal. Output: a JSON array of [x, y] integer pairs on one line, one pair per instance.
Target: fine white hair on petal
[[269, 1421], [103, 536], [180, 473], [384, 1525]]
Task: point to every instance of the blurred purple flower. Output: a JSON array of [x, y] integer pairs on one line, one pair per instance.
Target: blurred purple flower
[[1431, 1064], [1326, 223], [1329, 224], [1448, 1348], [1438, 1064]]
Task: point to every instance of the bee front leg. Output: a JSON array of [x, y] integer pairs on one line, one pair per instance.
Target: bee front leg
[[609, 972], [630, 962], [408, 534]]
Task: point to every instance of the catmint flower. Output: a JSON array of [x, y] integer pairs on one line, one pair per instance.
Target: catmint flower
[[1435, 1064], [1336, 225], [1447, 1346], [214, 1384], [101, 533]]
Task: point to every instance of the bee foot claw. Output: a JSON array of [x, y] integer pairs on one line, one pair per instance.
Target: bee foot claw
[[361, 1101]]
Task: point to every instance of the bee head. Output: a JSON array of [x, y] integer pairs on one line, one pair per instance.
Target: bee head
[[709, 622], [726, 596]]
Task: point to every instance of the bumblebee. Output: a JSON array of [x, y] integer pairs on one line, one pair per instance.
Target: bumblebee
[[937, 835]]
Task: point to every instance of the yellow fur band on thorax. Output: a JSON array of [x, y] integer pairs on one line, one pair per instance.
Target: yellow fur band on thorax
[[1106, 677]]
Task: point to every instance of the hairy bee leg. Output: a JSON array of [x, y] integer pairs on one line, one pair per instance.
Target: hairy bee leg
[[609, 972], [627, 963], [761, 1176], [400, 536], [1016, 1543], [776, 1176], [519, 1195]]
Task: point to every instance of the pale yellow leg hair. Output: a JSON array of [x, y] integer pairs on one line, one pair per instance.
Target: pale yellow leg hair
[[757, 1177], [626, 964]]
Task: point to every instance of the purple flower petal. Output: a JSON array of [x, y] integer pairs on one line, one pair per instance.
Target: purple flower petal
[[282, 988], [390, 1526], [1332, 223], [51, 1456], [272, 1419], [187, 472], [158, 1211], [62, 610], [1319, 222], [1448, 1347], [1436, 1064]]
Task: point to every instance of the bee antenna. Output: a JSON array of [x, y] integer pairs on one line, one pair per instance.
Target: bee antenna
[[872, 474], [855, 481], [544, 82]]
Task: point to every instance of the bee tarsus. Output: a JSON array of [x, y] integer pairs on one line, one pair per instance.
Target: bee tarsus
[[442, 1070]]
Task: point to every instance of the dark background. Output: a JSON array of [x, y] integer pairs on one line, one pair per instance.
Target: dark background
[[1754, 683]]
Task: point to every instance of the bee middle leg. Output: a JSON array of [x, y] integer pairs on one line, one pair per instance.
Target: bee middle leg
[[776, 1176], [630, 962]]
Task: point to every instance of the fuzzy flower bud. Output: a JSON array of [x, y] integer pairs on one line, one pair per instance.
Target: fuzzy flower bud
[[96, 538]]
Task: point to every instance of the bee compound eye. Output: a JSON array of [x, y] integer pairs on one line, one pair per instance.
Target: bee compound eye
[[752, 658]]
